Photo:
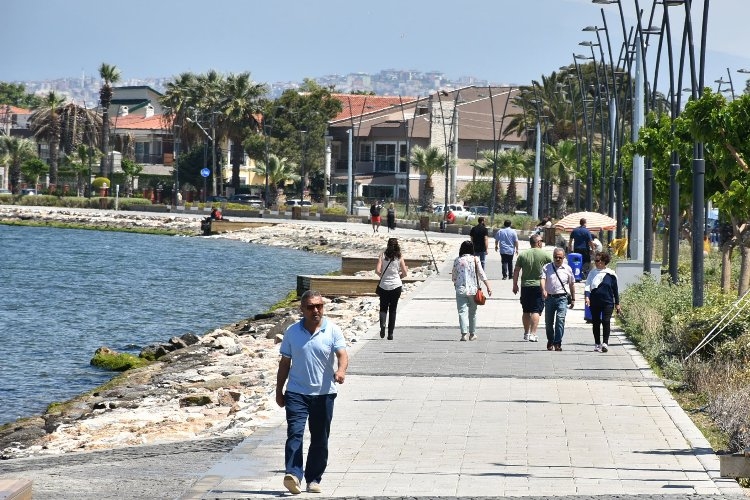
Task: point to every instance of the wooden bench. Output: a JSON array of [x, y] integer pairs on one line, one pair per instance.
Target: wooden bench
[[15, 489], [333, 286], [352, 265]]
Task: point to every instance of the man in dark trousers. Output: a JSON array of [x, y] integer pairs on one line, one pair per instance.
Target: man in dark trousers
[[582, 242], [307, 368], [480, 238]]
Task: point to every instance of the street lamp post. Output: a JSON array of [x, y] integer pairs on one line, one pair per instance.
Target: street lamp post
[[589, 133], [176, 189]]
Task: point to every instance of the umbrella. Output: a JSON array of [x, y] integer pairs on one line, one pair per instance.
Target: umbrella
[[594, 221]]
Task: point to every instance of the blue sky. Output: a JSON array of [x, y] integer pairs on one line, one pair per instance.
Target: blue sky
[[504, 41]]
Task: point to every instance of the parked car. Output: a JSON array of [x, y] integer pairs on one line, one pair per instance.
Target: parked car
[[28, 191], [247, 199], [5, 191], [476, 212], [298, 203], [216, 199]]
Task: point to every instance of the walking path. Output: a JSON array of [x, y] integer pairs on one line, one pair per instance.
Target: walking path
[[427, 415]]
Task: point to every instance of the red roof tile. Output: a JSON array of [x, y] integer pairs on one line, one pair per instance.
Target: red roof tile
[[134, 122], [356, 104]]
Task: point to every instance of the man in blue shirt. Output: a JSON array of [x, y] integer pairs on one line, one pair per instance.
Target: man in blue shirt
[[582, 242], [307, 368], [506, 241]]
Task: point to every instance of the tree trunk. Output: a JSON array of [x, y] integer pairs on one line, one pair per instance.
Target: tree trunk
[[726, 266], [744, 281]]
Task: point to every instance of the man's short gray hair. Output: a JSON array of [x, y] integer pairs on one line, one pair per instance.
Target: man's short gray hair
[[309, 294]]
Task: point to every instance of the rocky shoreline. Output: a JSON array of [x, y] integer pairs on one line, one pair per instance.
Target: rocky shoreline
[[216, 385]]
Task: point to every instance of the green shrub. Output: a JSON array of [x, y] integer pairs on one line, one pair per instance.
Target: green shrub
[[41, 200], [99, 182], [336, 210]]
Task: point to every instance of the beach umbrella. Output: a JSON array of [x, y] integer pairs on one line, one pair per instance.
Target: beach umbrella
[[594, 221]]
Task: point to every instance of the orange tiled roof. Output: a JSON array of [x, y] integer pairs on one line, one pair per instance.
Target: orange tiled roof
[[135, 122], [15, 110], [355, 105]]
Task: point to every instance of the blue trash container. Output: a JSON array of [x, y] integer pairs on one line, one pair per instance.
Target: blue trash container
[[575, 261]]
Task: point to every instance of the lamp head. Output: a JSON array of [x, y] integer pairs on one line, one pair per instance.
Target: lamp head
[[592, 28]]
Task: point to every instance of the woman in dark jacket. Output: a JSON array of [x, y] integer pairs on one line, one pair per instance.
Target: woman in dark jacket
[[602, 297]]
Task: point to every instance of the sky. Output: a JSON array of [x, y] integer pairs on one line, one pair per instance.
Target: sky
[[503, 41]]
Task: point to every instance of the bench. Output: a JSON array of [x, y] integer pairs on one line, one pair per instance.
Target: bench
[[352, 265], [15, 489], [333, 286]]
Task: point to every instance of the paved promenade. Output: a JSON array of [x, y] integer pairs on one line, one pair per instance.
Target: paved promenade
[[426, 415]]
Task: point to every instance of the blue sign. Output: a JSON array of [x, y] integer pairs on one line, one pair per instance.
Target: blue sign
[[205, 172]]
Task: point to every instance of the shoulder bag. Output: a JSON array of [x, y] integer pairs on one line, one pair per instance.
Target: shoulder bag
[[567, 295], [479, 297], [379, 290]]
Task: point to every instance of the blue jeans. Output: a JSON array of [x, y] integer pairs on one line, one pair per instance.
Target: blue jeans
[[555, 309], [317, 411], [467, 313], [482, 256]]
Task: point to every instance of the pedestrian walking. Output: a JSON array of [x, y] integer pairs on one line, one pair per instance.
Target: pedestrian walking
[[391, 217], [529, 266], [582, 242], [467, 274], [375, 216], [602, 298], [557, 285], [506, 242], [480, 238], [391, 268], [307, 369]]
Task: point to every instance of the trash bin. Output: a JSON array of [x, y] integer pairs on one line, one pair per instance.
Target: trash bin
[[103, 202], [575, 261], [424, 223], [296, 212]]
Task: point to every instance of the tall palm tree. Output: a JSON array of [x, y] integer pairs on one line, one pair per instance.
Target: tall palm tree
[[14, 152], [428, 161], [45, 125], [279, 170], [512, 164], [240, 115], [562, 164], [110, 74]]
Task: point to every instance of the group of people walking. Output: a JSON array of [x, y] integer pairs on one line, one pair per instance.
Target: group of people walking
[[313, 352]]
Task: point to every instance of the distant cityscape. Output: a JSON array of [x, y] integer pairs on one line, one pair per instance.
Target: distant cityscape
[[84, 90]]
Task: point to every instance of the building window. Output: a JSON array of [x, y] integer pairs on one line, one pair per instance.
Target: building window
[[385, 157], [375, 192], [365, 152]]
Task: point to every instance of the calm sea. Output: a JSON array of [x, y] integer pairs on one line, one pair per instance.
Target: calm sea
[[66, 292]]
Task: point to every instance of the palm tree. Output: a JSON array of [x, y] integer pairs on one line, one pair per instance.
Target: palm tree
[[33, 168], [511, 164], [80, 163], [15, 151], [561, 163], [428, 161], [110, 74], [240, 115], [279, 170], [78, 125], [45, 125]]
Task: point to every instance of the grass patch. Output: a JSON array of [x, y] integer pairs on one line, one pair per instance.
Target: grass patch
[[290, 300], [117, 361]]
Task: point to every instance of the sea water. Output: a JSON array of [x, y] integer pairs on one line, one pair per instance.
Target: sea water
[[66, 292]]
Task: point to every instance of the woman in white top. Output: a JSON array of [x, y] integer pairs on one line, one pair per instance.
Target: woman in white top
[[391, 268], [466, 268]]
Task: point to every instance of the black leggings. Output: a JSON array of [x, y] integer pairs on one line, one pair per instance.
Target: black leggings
[[601, 315], [388, 303]]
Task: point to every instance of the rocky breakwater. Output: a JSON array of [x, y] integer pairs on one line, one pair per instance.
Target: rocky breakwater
[[219, 384]]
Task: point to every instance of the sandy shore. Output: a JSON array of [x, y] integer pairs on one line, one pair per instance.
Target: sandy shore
[[222, 383]]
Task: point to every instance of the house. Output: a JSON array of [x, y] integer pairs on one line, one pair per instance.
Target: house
[[381, 131]]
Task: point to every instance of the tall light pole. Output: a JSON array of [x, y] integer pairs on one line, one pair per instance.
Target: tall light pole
[[589, 133], [267, 132], [176, 189]]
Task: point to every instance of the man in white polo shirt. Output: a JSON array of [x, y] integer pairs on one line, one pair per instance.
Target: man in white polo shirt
[[307, 368]]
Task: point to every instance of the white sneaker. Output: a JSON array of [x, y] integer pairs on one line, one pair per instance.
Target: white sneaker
[[472, 336], [533, 338], [526, 336], [605, 348], [463, 337], [597, 348]]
